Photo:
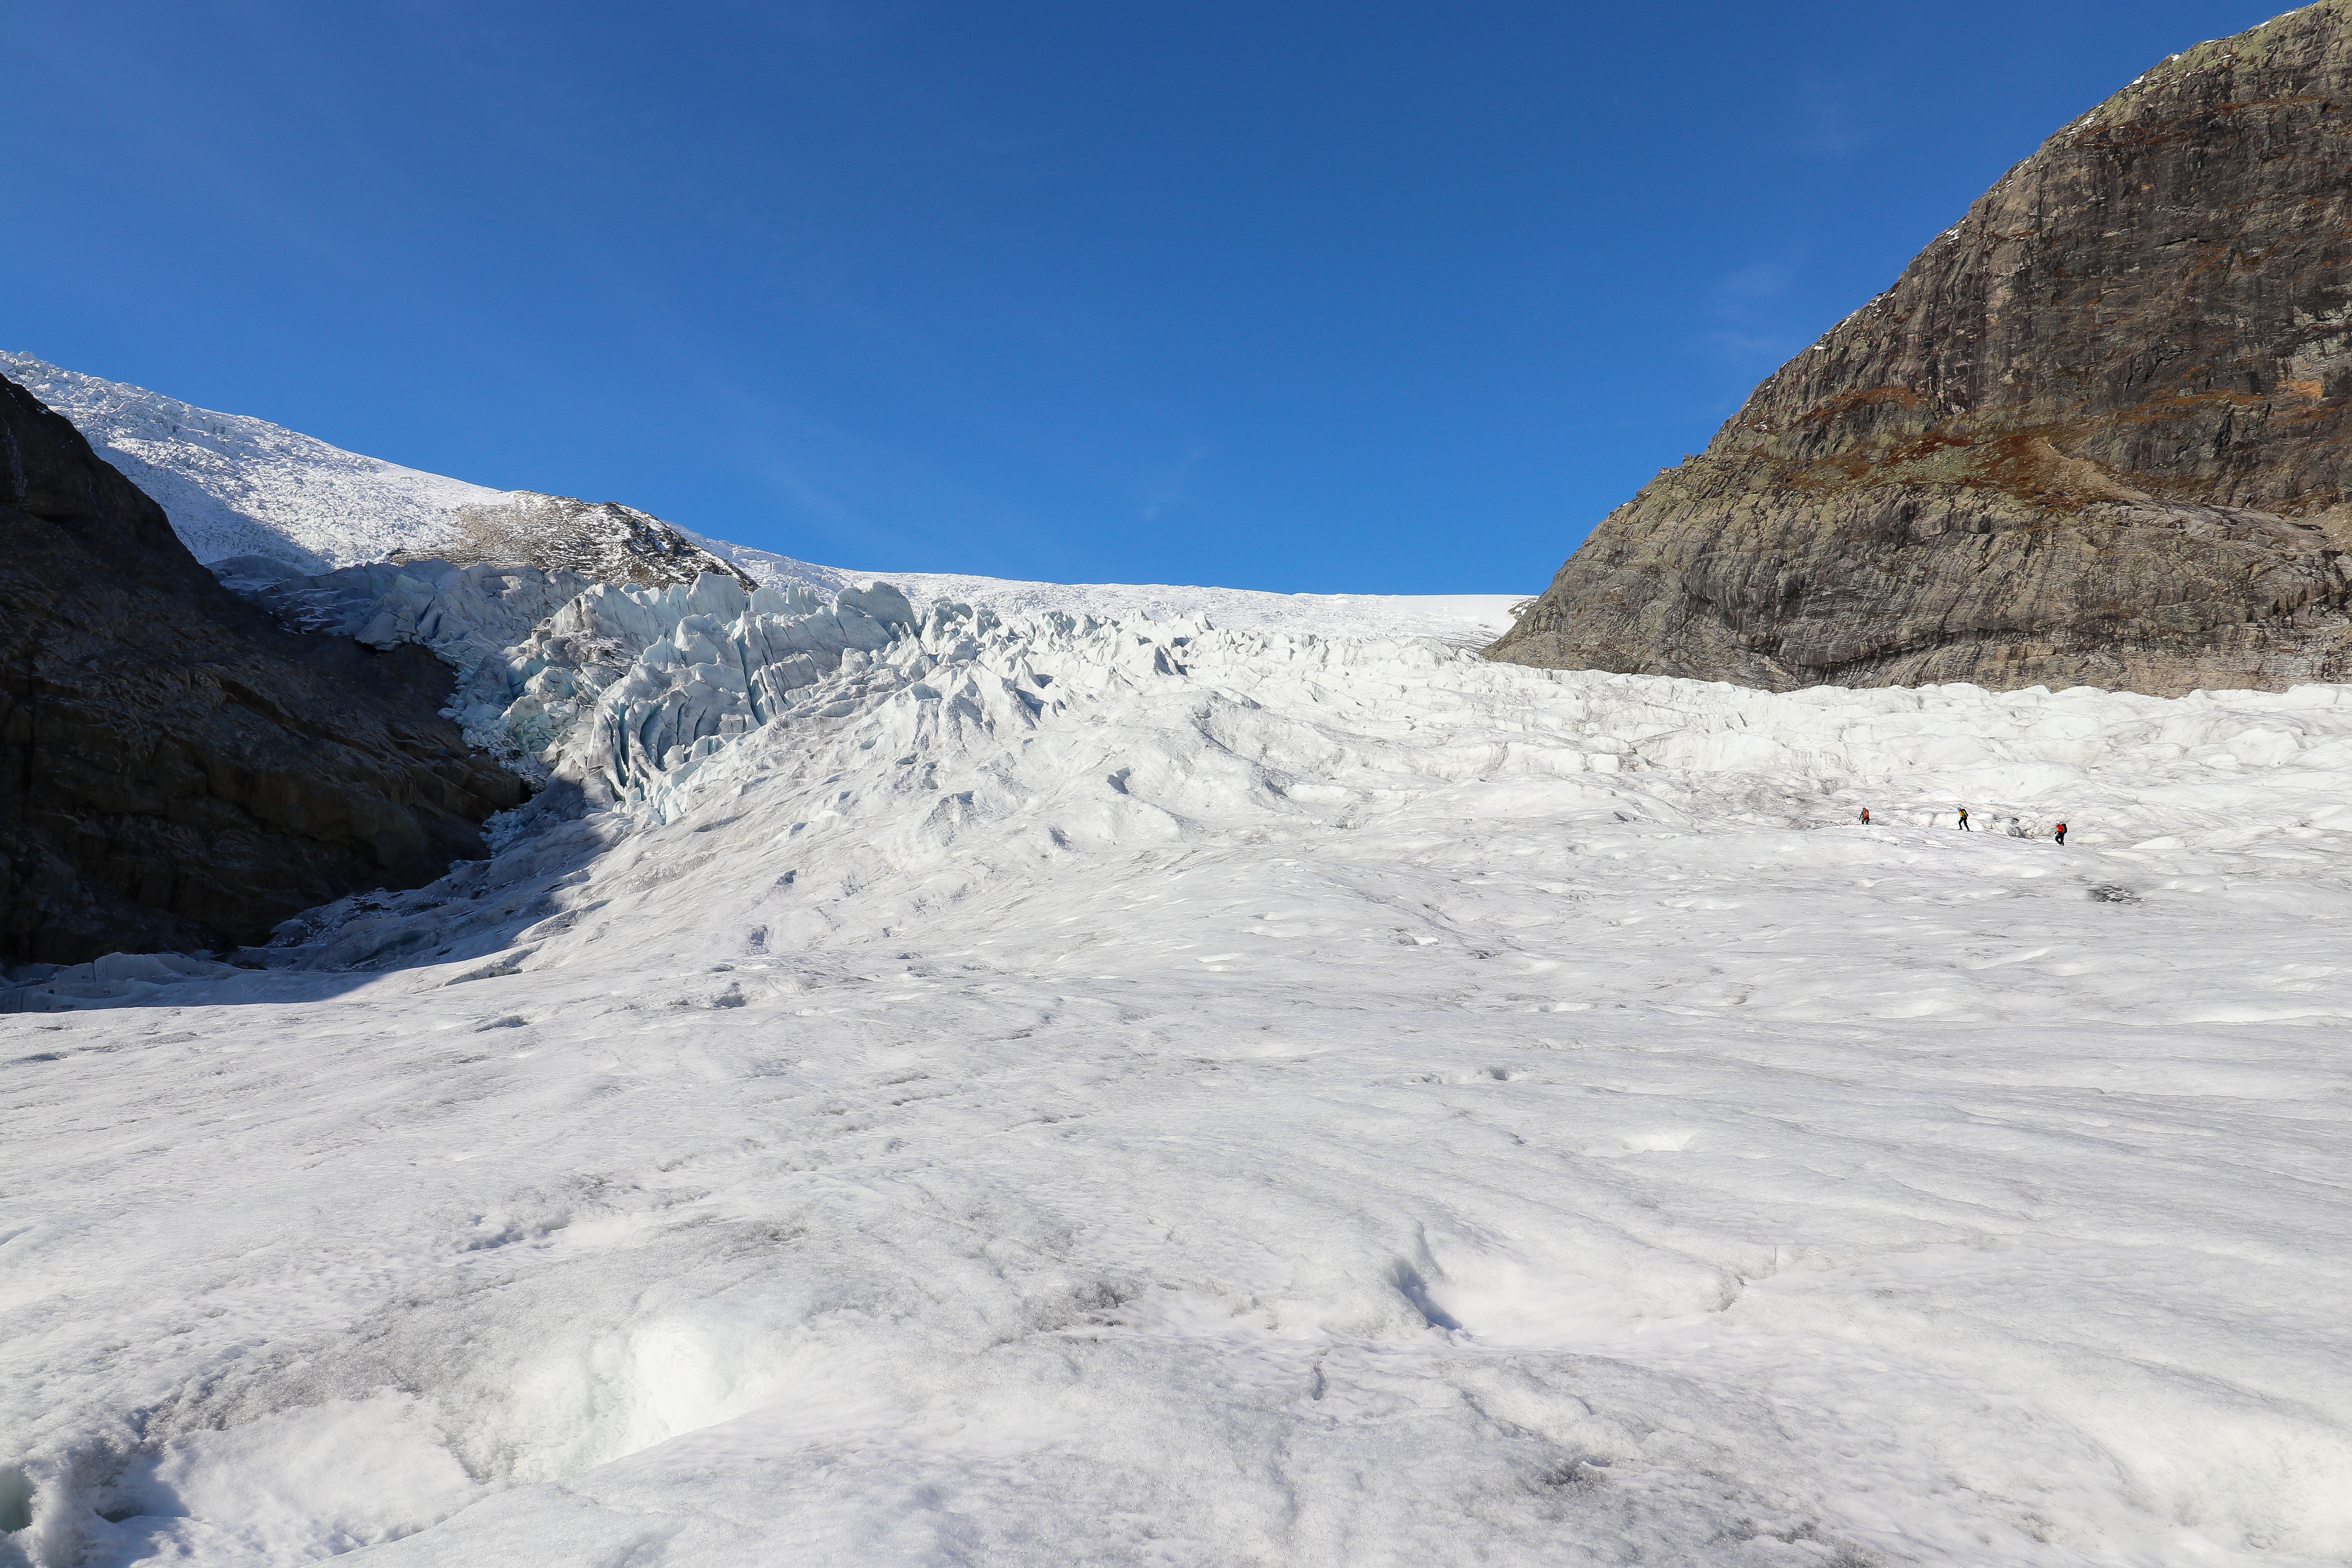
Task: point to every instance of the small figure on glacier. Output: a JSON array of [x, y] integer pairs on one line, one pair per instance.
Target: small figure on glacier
[[1866, 816], [1964, 820], [2062, 833]]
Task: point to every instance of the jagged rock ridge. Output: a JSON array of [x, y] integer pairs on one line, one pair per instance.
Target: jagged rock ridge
[[178, 771], [604, 541], [2095, 433]]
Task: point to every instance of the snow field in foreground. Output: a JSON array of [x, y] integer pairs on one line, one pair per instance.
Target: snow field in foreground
[[1145, 1094]]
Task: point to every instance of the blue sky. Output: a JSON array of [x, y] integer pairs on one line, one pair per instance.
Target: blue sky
[[1376, 297]]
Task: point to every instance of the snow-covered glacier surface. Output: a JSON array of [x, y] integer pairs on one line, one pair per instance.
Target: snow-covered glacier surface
[[1056, 1090], [1464, 620]]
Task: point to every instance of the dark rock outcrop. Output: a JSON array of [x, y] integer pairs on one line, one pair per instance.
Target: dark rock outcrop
[[2100, 432], [600, 540], [177, 770]]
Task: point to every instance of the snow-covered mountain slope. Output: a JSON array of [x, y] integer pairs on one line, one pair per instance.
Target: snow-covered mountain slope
[[238, 486], [1137, 1093], [235, 486]]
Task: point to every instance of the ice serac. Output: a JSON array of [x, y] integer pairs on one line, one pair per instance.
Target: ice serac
[[604, 685], [177, 769], [2096, 433]]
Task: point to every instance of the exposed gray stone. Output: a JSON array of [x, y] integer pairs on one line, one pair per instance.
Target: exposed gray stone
[[604, 542], [2100, 432]]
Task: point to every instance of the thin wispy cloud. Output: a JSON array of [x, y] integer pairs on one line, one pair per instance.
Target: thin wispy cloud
[[1169, 487], [1756, 317], [1748, 306], [1830, 126]]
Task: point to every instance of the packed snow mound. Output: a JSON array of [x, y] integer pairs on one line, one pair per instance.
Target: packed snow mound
[[238, 487], [1143, 1092]]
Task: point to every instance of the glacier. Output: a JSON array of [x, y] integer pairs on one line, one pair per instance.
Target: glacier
[[951, 1071], [1047, 1089]]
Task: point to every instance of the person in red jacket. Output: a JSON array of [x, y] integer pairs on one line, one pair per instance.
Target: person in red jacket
[[1866, 816], [2062, 833]]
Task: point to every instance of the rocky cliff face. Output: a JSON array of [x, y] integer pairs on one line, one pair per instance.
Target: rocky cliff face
[[177, 770], [2096, 433]]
